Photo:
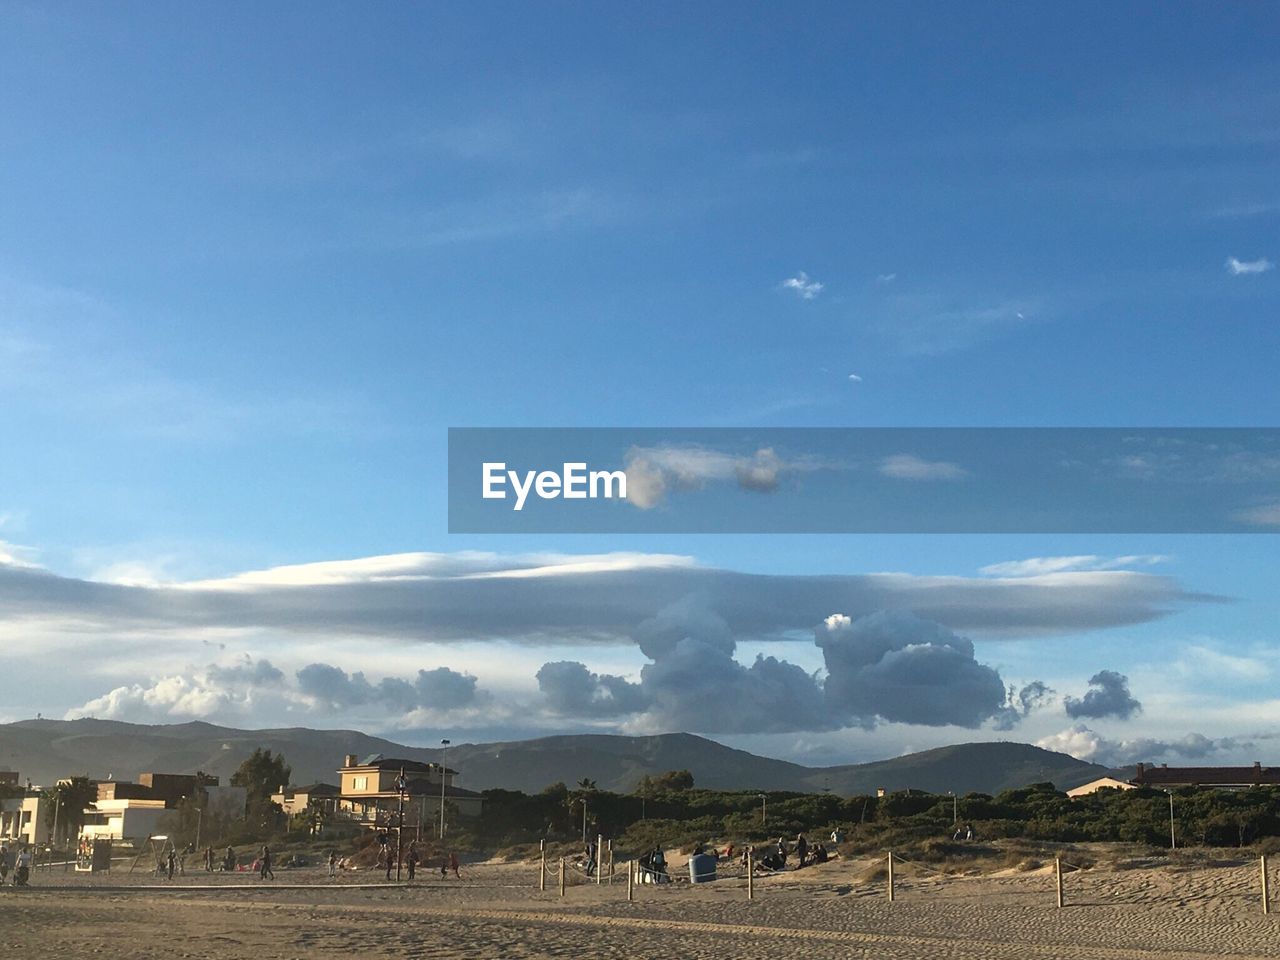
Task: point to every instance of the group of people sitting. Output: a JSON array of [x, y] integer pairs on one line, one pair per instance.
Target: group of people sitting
[[775, 857]]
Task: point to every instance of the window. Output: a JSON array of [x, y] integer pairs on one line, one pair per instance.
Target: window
[[360, 783]]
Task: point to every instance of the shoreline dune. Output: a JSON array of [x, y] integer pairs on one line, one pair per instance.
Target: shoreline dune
[[497, 911]]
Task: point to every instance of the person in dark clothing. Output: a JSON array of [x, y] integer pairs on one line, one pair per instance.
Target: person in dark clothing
[[264, 865], [802, 848], [411, 859], [171, 861]]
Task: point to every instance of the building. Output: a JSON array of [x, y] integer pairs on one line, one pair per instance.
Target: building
[[124, 819], [132, 811], [296, 800], [8, 778], [1102, 783], [23, 819], [370, 793], [1229, 778]]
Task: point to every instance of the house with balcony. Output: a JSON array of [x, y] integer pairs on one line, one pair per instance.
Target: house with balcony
[[372, 789]]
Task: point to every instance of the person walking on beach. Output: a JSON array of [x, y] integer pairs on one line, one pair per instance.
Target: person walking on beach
[[802, 849], [264, 864], [229, 862], [453, 865], [171, 861], [208, 859], [333, 863], [411, 860], [389, 859], [6, 863], [444, 866]]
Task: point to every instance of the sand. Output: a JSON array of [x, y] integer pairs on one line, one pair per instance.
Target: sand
[[497, 911]]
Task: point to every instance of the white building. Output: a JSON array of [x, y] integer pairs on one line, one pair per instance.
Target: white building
[[123, 819]]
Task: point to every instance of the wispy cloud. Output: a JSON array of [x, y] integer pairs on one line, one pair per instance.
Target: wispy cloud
[[1040, 566], [1239, 268], [804, 287], [907, 466], [1265, 515], [855, 378], [886, 277]]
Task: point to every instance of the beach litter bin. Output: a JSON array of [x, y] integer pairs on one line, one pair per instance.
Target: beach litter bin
[[702, 868]]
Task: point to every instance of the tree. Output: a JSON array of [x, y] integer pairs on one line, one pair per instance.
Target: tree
[[261, 775], [67, 803], [673, 780], [587, 785]]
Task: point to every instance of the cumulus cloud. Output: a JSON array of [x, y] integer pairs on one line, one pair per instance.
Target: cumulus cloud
[[1083, 743], [1039, 566], [805, 288], [885, 667], [899, 667], [907, 466], [572, 690], [854, 378], [1108, 697], [212, 691], [654, 472], [438, 689], [244, 688], [1238, 268]]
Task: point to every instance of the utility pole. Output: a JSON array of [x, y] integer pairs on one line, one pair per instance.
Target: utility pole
[[400, 787], [441, 801], [199, 821]]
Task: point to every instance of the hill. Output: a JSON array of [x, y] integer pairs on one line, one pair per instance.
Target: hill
[[44, 750]]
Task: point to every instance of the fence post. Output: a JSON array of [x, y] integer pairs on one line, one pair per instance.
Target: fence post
[[542, 865], [1266, 893], [891, 876], [562, 876], [631, 872], [1057, 875], [751, 873]]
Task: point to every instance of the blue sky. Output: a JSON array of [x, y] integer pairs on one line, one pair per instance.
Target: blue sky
[[255, 262]]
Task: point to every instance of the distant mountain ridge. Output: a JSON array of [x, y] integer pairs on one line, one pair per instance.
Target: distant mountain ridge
[[43, 750]]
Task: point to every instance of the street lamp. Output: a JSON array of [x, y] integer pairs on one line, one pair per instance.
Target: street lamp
[[955, 808], [401, 786], [1173, 837], [764, 808]]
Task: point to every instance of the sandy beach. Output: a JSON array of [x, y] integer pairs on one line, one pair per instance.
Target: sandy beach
[[832, 910]]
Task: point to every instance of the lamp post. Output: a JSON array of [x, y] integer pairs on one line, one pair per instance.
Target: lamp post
[[1173, 837], [764, 809], [443, 743], [199, 821], [401, 785], [955, 808]]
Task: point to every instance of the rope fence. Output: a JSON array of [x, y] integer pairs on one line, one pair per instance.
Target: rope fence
[[748, 870]]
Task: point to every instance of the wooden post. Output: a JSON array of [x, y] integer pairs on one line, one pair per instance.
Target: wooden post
[[891, 876], [751, 870], [562, 876], [611, 863], [631, 870], [1266, 893], [542, 865], [1057, 876], [599, 858]]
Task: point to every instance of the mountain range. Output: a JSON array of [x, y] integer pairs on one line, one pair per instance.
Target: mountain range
[[44, 750]]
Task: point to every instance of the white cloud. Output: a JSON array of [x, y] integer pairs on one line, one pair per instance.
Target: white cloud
[[1266, 515], [1200, 661], [1244, 267], [804, 287], [886, 277], [855, 378], [1084, 743], [907, 466], [1039, 566], [654, 472]]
